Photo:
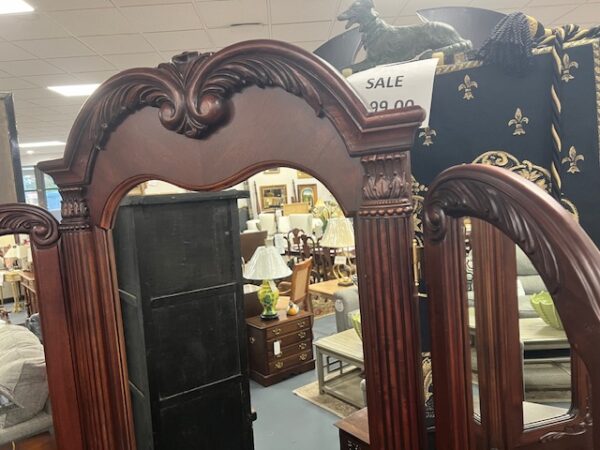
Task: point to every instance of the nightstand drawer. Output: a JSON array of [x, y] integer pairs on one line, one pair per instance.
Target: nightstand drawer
[[289, 350], [290, 361], [291, 338], [295, 326]]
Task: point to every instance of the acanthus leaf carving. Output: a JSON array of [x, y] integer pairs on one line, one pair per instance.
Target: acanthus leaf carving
[[41, 226], [475, 198], [192, 91], [387, 185], [74, 209]]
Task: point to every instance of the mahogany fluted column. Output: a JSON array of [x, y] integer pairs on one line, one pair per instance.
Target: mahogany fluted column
[[389, 304], [106, 418]]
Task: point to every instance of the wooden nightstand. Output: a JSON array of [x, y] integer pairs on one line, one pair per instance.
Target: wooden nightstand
[[280, 348], [354, 431]]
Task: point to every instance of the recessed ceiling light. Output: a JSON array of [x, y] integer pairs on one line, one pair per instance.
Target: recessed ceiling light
[[41, 144], [75, 90], [14, 6]]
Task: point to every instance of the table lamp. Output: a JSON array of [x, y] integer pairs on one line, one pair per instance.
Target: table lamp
[[267, 265], [339, 234]]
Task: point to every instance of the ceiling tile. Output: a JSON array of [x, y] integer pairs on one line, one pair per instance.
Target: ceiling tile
[[583, 13], [298, 32], [123, 62], [145, 2], [82, 64], [30, 26], [10, 52], [95, 77], [292, 11], [57, 5], [90, 22], [310, 46], [548, 14], [411, 7], [118, 43], [502, 6], [192, 39], [51, 80], [385, 8], [11, 84], [55, 48], [163, 17], [31, 67], [222, 13], [227, 36], [35, 94]]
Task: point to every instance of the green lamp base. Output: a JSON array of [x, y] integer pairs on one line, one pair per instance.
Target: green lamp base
[[268, 294]]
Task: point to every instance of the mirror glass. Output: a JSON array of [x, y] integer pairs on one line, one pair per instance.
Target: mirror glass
[[240, 314], [25, 410], [546, 355]]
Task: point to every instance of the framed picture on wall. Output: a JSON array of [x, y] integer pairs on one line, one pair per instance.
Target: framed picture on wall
[[272, 171], [273, 196], [302, 175], [307, 193]]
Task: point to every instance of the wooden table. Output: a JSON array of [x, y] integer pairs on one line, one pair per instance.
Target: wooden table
[[354, 431], [326, 288], [14, 278], [535, 334], [347, 348]]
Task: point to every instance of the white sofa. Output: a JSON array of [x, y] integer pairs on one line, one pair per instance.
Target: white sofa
[[24, 405]]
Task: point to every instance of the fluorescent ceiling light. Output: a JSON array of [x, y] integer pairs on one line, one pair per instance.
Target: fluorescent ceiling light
[[41, 144], [14, 6], [30, 152], [75, 90]]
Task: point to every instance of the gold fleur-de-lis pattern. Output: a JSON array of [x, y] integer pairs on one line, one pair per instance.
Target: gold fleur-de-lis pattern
[[518, 122], [573, 160], [428, 134], [467, 86], [567, 66]]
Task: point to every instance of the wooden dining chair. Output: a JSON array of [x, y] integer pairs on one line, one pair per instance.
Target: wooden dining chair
[[297, 290]]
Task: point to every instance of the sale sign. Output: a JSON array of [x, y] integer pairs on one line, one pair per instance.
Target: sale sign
[[398, 85]]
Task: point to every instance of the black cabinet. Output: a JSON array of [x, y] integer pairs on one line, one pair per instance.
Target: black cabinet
[[180, 284]]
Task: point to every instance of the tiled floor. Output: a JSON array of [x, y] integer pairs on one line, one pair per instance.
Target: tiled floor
[[287, 422]]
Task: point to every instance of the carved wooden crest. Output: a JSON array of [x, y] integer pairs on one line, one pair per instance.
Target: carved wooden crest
[[41, 226]]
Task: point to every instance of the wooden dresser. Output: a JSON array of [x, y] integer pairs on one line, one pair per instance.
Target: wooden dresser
[[280, 348]]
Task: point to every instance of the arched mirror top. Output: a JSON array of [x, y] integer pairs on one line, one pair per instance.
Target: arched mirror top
[[116, 141]]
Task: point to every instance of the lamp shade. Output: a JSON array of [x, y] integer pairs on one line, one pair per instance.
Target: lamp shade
[[338, 234], [266, 264]]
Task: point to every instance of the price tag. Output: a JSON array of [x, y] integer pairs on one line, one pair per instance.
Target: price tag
[[277, 347], [339, 260], [398, 85]]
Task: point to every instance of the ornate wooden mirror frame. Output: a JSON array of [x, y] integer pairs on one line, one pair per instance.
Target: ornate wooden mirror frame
[[214, 127], [507, 209]]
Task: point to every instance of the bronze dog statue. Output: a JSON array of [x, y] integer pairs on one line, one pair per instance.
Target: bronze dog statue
[[386, 44]]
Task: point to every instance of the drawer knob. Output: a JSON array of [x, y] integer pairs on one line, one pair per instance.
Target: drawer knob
[[276, 331], [303, 346], [252, 339], [302, 334], [279, 364], [303, 357], [301, 324]]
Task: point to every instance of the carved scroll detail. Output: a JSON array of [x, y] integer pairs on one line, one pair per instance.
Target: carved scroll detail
[[476, 198], [41, 226], [192, 91], [387, 185], [570, 430], [74, 209]]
